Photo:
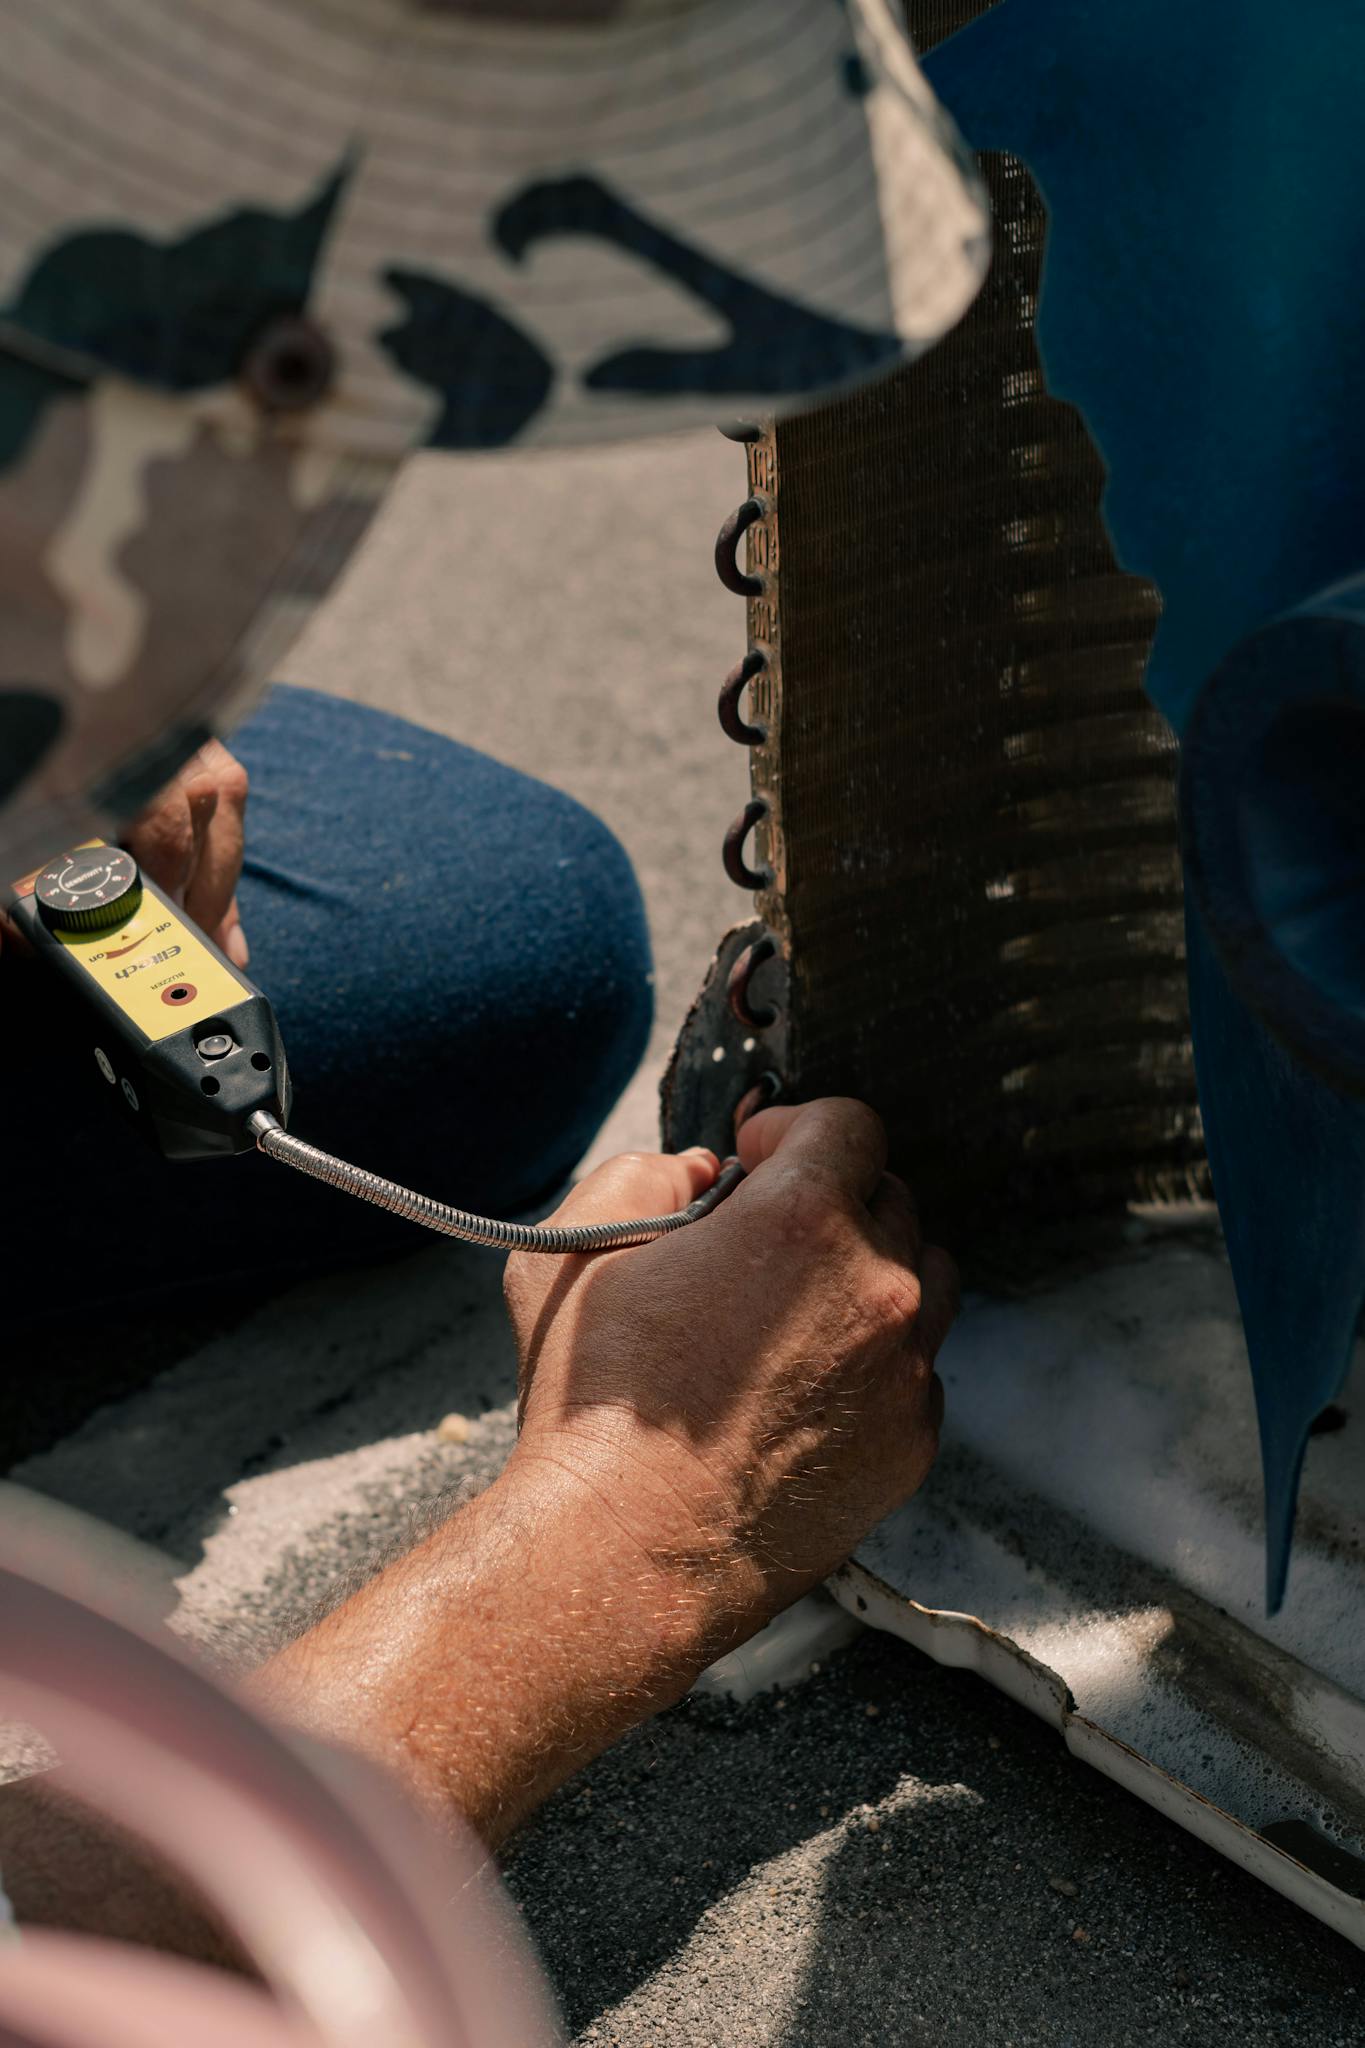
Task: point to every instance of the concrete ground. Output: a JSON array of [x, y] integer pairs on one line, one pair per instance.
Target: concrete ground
[[888, 1854]]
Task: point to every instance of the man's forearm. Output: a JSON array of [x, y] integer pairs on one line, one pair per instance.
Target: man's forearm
[[483, 1669], [500, 1656], [710, 1423]]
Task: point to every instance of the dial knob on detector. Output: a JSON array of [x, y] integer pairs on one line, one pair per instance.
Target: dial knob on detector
[[89, 888]]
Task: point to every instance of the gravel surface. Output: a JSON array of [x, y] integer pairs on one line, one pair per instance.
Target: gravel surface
[[889, 1854], [895, 1854]]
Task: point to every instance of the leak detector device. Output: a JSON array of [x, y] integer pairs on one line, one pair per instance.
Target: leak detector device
[[188, 1047]]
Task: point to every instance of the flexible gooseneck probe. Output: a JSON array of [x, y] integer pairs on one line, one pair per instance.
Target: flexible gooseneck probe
[[272, 1138]]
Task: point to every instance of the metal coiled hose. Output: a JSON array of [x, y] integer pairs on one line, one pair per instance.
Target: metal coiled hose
[[272, 1138]]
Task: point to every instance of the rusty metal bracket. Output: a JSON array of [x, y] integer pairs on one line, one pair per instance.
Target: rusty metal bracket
[[727, 540], [753, 957], [731, 723], [736, 867]]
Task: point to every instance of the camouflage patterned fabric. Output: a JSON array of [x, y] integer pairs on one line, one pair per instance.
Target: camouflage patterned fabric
[[252, 255]]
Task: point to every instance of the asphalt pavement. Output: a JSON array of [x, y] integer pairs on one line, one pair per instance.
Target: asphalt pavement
[[888, 1853]]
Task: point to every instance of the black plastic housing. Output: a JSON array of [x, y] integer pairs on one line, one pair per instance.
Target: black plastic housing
[[186, 1106]]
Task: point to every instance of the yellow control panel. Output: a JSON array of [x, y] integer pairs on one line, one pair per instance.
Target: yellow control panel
[[159, 972]]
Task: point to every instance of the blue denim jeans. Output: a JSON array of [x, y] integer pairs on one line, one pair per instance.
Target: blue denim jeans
[[458, 959]]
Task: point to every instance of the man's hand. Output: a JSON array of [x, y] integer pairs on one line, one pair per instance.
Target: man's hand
[[710, 1424], [189, 841], [740, 1403]]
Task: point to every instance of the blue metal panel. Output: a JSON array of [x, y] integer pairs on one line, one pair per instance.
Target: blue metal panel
[[1202, 305]]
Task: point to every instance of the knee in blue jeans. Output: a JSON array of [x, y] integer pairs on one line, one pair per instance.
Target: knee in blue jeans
[[587, 1016], [530, 1018]]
